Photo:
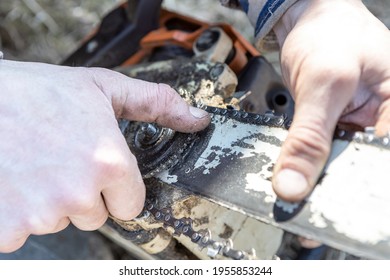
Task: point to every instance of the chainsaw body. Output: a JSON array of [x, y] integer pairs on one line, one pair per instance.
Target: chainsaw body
[[209, 194]]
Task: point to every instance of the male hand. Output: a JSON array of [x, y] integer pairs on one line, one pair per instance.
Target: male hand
[[62, 156], [335, 58]]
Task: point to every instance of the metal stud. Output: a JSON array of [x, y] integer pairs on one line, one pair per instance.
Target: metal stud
[[158, 215], [186, 229], [341, 133]]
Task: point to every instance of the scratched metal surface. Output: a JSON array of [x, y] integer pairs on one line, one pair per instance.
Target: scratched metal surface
[[347, 210]]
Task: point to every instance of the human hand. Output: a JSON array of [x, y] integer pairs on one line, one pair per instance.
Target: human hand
[[336, 62], [63, 157]]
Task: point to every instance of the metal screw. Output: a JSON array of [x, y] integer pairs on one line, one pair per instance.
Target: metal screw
[[239, 255], [216, 245], [177, 224], [195, 236], [370, 138], [158, 215], [186, 229], [205, 239], [341, 133], [257, 118]]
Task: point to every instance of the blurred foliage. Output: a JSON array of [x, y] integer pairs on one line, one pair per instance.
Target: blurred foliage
[[47, 30]]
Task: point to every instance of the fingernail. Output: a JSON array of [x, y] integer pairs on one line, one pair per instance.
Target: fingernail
[[198, 113], [291, 185]]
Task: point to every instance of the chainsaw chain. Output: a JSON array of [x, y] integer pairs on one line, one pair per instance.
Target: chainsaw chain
[[173, 159], [367, 137], [201, 237], [268, 119]]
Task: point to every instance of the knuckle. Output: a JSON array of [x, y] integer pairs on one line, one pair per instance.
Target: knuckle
[[309, 142], [167, 96], [95, 72], [40, 224], [332, 71], [84, 201], [119, 167], [99, 221], [89, 222]]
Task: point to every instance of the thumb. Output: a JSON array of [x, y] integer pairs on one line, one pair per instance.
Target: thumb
[[139, 100], [307, 147], [382, 126]]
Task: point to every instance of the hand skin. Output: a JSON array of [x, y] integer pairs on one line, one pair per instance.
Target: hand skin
[[336, 62], [63, 157]]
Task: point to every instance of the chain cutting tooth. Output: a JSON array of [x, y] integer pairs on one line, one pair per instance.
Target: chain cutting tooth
[[235, 114], [358, 137], [195, 237], [341, 133], [202, 237], [158, 215], [215, 110], [211, 252], [280, 121]]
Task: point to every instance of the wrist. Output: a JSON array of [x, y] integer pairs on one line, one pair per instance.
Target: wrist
[[289, 19], [306, 10]]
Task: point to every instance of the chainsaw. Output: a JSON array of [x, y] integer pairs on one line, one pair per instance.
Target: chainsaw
[[209, 194]]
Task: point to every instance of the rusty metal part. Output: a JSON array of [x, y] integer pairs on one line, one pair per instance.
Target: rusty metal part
[[194, 79], [233, 167], [202, 238], [213, 45], [231, 164], [204, 215], [157, 148]]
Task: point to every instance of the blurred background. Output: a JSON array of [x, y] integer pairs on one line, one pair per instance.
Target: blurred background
[[50, 30]]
